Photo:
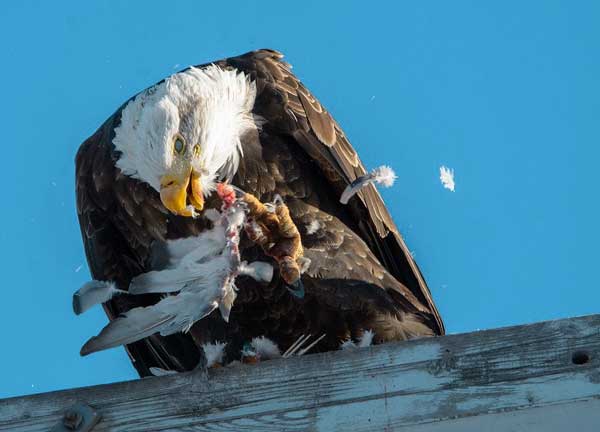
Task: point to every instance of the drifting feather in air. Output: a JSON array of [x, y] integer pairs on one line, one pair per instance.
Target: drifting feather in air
[[447, 177]]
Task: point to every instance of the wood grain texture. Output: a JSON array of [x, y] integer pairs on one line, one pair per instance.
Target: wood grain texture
[[515, 378]]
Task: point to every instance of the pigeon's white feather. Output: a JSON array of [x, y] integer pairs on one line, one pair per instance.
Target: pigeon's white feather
[[257, 270], [313, 227], [170, 315], [348, 345], [265, 348], [366, 339], [383, 175], [93, 293], [248, 351], [236, 217], [136, 324], [192, 277], [447, 177], [227, 299], [304, 264], [353, 188], [163, 281], [214, 353], [212, 214], [196, 249]]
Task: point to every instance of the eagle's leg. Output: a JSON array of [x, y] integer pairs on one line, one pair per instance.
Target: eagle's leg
[[287, 248], [277, 234]]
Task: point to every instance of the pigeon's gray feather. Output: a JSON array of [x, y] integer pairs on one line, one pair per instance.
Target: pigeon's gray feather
[[93, 293], [191, 276]]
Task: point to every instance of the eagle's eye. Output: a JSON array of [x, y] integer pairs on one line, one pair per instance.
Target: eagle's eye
[[179, 145], [196, 150]]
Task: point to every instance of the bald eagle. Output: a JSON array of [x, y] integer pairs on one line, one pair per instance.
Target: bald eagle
[[148, 174]]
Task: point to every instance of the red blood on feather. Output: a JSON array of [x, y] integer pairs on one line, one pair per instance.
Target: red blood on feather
[[226, 193]]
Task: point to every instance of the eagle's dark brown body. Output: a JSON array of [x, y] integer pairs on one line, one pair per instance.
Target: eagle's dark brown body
[[361, 275]]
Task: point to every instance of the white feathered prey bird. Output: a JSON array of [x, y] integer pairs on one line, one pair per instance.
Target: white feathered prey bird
[[148, 175], [201, 270]]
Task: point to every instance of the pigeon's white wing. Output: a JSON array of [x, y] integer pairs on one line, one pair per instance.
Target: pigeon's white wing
[[193, 276], [170, 315], [134, 325]]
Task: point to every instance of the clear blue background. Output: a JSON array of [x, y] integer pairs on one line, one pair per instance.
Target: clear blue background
[[507, 94]]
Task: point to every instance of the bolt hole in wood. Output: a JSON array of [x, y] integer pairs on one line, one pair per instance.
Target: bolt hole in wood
[[580, 357]]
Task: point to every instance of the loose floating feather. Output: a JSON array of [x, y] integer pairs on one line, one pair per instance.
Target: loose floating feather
[[93, 293], [447, 177], [383, 175]]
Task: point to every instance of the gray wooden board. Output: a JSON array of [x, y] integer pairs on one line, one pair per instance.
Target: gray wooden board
[[519, 378]]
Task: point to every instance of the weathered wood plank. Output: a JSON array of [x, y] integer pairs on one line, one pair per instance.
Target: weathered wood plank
[[515, 378], [577, 416]]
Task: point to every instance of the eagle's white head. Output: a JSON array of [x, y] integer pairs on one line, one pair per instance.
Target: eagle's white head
[[184, 134]]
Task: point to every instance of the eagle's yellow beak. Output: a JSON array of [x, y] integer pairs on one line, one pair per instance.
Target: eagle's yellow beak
[[181, 195]]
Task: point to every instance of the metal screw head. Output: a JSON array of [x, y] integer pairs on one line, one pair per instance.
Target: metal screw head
[[79, 417], [72, 420]]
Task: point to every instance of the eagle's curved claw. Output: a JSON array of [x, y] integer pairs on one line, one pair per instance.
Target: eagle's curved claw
[[278, 200], [274, 230], [297, 288]]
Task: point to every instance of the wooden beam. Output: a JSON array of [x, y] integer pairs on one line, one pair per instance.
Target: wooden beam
[[538, 377]]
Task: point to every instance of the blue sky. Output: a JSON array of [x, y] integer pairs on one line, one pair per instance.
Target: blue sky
[[507, 94]]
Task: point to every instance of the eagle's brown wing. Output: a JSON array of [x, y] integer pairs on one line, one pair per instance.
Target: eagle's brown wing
[[119, 217], [286, 104]]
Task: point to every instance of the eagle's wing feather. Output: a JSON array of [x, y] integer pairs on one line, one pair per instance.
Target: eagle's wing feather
[[118, 220], [287, 104]]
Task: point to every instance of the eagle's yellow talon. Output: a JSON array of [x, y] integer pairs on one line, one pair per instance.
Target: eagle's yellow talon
[[277, 234]]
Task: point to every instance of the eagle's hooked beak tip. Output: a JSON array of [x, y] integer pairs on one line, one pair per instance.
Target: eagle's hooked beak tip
[[196, 196], [182, 196]]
